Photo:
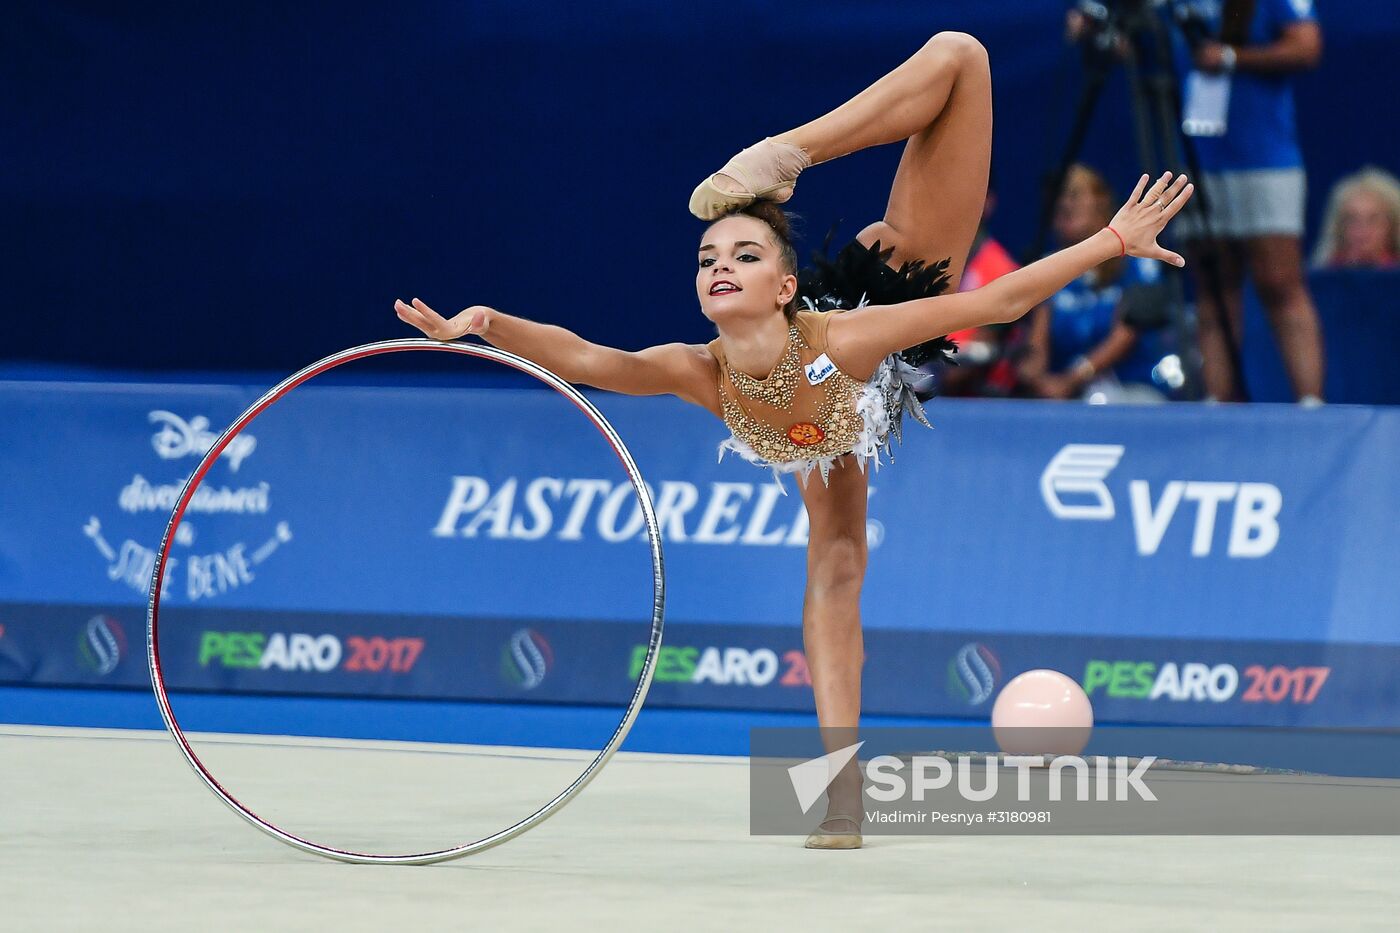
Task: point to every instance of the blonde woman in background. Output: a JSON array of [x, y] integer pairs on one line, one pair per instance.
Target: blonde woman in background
[[1362, 225]]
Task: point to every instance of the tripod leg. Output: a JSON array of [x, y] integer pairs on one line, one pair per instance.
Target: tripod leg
[[1097, 68], [1216, 263], [1149, 159]]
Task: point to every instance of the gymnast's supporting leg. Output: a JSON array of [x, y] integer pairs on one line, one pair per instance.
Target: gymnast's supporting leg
[[831, 629], [940, 100]]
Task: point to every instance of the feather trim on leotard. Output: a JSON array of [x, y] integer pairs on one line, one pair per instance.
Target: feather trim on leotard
[[859, 276]]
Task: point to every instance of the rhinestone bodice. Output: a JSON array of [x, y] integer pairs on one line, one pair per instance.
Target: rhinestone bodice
[[805, 409]]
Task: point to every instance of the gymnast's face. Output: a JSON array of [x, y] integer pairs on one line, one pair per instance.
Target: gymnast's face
[[741, 270]]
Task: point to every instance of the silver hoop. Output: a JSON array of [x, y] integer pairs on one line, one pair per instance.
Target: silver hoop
[[643, 681]]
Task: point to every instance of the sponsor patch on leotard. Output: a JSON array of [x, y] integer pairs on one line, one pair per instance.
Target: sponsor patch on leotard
[[805, 434], [819, 369]]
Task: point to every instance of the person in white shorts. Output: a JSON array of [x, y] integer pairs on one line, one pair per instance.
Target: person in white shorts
[[1238, 102]]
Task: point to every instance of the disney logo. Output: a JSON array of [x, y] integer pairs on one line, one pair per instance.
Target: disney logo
[[179, 438]]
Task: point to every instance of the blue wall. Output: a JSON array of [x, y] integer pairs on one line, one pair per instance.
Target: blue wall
[[250, 185], [1188, 564]]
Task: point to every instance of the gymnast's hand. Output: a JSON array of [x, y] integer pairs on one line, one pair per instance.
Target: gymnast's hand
[[1140, 220], [474, 320]]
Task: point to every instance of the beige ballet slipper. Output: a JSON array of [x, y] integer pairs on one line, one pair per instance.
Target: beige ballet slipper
[[767, 170], [821, 838]]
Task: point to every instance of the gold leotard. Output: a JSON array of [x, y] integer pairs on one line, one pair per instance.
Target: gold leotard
[[807, 412]]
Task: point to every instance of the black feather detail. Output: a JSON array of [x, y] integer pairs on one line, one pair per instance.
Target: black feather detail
[[861, 274]]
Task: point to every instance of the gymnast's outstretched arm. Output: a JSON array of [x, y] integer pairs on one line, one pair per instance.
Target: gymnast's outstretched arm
[[860, 340], [684, 370]]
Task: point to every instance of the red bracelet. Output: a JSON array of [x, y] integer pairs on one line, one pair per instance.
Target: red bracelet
[[1120, 241]]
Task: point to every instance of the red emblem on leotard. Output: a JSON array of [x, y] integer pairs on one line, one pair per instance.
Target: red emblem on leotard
[[805, 434]]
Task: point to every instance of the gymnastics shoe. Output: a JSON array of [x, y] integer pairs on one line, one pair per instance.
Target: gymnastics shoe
[[823, 838], [767, 169]]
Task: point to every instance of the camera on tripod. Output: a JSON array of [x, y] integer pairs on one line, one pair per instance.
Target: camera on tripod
[[1107, 25], [1136, 35]]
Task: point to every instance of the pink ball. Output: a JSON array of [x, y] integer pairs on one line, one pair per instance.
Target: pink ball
[[1042, 713]]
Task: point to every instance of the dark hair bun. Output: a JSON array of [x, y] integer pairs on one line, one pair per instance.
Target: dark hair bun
[[773, 215]]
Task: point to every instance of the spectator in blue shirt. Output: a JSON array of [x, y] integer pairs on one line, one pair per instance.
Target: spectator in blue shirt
[[1238, 102], [1101, 327]]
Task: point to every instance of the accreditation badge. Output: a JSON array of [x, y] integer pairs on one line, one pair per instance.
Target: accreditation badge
[[1206, 109]]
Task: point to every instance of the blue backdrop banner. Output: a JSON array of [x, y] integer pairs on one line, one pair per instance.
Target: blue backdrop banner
[[483, 150], [1187, 564]]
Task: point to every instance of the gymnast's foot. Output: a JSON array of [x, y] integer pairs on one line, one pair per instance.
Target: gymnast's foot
[[837, 831], [767, 169]]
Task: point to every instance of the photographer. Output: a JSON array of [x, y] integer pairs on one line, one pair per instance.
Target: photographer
[[1254, 183], [1237, 59]]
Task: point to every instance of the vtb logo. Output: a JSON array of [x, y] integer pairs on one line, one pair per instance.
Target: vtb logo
[[1073, 488]]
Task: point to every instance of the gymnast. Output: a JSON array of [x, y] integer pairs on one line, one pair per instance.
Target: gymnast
[[813, 371]]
